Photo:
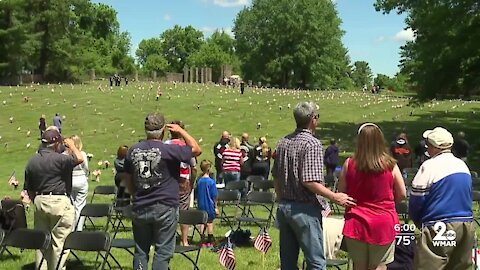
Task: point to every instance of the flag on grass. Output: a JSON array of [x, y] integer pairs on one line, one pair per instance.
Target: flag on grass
[[12, 181], [263, 242], [227, 257]]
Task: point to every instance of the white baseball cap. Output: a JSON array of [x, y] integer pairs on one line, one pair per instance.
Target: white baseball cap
[[439, 138]]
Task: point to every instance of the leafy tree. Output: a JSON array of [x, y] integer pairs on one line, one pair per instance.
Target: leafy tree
[[178, 44], [156, 63], [147, 47], [361, 74], [291, 43], [445, 56]]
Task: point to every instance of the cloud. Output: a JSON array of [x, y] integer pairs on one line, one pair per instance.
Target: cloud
[[380, 39], [167, 17], [231, 3], [405, 35], [207, 30]]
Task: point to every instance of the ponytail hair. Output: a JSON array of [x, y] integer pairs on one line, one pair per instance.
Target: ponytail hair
[[265, 148]]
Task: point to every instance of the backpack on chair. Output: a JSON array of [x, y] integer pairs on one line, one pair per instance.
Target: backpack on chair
[[12, 215]]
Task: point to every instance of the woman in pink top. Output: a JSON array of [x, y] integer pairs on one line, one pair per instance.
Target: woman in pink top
[[374, 180]]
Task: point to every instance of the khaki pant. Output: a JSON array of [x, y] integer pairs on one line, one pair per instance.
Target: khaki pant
[[54, 213], [458, 257]]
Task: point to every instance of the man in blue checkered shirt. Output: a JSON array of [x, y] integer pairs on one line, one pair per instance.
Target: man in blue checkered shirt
[[298, 176]]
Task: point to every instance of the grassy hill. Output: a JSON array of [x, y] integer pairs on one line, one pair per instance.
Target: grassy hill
[[106, 118]]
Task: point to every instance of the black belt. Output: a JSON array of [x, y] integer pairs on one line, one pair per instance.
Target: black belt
[[52, 193]]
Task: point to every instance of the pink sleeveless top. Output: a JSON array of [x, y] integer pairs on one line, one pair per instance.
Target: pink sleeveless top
[[374, 218]]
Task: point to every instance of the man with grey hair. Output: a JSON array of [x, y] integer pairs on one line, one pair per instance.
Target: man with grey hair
[[48, 182], [298, 178], [152, 176]]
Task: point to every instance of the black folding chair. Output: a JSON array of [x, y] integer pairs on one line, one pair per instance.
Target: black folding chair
[[263, 185], [14, 216], [104, 191], [121, 243], [228, 198], [97, 210], [252, 179], [402, 211], [263, 199], [237, 185], [192, 217], [24, 238], [98, 241]]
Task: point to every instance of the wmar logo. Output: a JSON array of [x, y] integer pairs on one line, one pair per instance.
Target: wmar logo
[[443, 238]]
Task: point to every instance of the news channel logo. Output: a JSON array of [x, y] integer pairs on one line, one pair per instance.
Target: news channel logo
[[443, 237]]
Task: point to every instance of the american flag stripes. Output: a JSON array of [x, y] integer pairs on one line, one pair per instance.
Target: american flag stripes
[[326, 210], [227, 257], [263, 242]]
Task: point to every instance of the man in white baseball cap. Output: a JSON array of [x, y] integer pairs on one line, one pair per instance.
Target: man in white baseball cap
[[441, 201]]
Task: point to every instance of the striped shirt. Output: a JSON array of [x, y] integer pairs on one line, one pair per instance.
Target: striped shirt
[[231, 160], [299, 159]]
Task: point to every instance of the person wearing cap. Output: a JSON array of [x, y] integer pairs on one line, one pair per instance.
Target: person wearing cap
[[402, 152], [48, 182], [441, 197], [152, 177]]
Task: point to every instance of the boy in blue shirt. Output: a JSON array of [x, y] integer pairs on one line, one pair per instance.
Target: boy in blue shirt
[[207, 198]]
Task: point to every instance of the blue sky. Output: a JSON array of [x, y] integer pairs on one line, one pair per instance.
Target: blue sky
[[370, 35]]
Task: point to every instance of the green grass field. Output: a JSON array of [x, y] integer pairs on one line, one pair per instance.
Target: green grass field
[[106, 118]]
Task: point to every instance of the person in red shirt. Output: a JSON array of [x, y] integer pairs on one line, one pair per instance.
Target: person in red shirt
[[232, 161], [373, 179]]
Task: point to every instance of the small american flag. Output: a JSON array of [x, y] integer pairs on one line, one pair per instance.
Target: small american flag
[[263, 242], [326, 209], [227, 257], [12, 181]]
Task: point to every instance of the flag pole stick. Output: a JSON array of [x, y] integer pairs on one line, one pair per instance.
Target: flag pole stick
[[263, 260]]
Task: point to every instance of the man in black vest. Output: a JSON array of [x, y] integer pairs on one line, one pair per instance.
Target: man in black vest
[[218, 151]]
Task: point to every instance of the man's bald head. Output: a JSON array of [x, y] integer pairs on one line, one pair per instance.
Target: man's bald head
[[245, 137], [226, 135]]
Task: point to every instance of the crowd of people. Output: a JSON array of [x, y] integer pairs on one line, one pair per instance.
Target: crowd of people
[[158, 177]]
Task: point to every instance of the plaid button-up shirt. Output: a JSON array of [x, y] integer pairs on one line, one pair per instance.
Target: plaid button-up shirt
[[299, 159]]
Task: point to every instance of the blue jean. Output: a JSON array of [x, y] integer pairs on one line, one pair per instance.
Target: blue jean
[[231, 176], [300, 226], [154, 225]]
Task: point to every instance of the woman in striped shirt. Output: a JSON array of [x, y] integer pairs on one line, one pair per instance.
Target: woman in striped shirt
[[232, 161]]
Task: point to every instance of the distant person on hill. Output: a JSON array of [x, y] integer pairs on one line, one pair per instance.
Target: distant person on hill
[[207, 194], [461, 146], [330, 159], [372, 178], [42, 125], [263, 154], [247, 151], [232, 161], [57, 121], [187, 178], [218, 152], [242, 87], [402, 152]]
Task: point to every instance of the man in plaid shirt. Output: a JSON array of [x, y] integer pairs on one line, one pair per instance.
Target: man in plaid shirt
[[298, 176]]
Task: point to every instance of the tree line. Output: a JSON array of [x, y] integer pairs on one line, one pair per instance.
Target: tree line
[[277, 42]]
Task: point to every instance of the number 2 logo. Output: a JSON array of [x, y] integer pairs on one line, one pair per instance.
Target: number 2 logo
[[442, 234]]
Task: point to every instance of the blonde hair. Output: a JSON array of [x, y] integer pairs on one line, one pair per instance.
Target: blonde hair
[[205, 166], [77, 141], [265, 148], [371, 154], [234, 143]]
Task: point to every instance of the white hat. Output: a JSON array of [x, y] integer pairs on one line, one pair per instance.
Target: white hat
[[439, 138]]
